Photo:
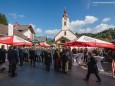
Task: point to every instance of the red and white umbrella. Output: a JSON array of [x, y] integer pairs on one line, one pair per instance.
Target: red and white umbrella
[[85, 41], [28, 43], [95, 42], [14, 40], [43, 44]]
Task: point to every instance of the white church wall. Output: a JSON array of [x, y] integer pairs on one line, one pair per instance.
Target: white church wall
[[65, 28], [67, 24], [59, 35], [68, 35]]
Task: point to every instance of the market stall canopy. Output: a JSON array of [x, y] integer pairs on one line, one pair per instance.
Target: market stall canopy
[[85, 41], [14, 40], [43, 44], [95, 42], [77, 43]]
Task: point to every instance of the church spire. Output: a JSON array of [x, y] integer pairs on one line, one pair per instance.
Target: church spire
[[65, 13], [65, 21]]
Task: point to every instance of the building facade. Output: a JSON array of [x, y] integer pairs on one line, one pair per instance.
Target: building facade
[[25, 32], [65, 35]]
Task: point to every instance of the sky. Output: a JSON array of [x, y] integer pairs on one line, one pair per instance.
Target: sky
[[86, 16]]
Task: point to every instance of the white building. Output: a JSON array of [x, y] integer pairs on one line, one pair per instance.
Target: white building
[[65, 35], [26, 30]]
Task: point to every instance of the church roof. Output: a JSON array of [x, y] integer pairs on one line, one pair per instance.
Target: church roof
[[65, 30], [62, 37]]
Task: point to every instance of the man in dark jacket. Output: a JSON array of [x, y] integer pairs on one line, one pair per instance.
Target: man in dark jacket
[[2, 54], [47, 59], [92, 68], [2, 57], [13, 60], [64, 56], [32, 56], [21, 55]]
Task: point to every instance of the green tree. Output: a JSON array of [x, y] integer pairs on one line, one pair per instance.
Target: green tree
[[3, 19]]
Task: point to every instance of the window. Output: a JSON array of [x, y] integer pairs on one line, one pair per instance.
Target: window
[[64, 23], [62, 41], [65, 33]]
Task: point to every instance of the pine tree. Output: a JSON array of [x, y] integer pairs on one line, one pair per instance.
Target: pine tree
[[3, 19]]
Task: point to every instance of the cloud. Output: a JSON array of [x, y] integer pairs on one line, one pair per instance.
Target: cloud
[[15, 15], [52, 33], [81, 23], [106, 19], [37, 30], [90, 19], [99, 28], [81, 26], [102, 27]]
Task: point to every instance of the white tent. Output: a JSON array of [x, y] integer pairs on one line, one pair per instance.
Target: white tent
[[95, 42]]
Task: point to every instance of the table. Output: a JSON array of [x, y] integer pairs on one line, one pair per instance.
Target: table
[[77, 58], [99, 59]]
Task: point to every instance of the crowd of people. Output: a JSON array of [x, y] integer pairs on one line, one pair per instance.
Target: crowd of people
[[17, 55], [62, 58]]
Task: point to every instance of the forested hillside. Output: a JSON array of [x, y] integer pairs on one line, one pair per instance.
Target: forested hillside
[[106, 35]]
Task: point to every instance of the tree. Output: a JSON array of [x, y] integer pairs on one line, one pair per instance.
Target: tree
[[3, 19]]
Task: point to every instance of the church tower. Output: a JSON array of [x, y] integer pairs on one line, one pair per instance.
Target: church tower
[[65, 21]]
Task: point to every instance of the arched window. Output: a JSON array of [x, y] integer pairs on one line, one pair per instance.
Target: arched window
[[65, 33], [64, 23]]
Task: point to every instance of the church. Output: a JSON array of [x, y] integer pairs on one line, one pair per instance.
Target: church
[[65, 35]]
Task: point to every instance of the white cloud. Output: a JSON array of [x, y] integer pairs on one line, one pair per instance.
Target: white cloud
[[90, 19], [102, 27], [106, 19], [15, 15], [96, 29], [38, 31], [52, 33], [80, 23]]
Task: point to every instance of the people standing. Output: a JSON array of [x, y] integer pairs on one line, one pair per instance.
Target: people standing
[[56, 57], [21, 55], [32, 56], [26, 54], [38, 53], [13, 60], [70, 58], [64, 57], [113, 63], [85, 55], [47, 59], [3, 52], [92, 68]]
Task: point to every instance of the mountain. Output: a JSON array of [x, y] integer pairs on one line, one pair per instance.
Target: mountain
[[50, 41]]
